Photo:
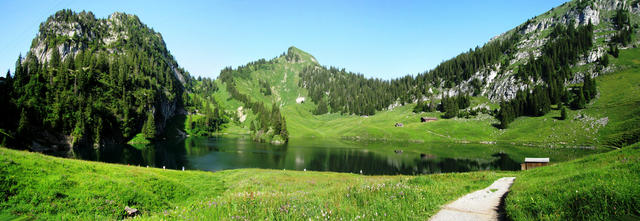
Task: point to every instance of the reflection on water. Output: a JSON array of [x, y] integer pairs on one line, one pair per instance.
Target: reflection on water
[[214, 154]]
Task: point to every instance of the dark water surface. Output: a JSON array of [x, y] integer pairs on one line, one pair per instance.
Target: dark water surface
[[220, 153]]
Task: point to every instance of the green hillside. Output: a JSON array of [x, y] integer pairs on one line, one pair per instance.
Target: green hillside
[[606, 120]]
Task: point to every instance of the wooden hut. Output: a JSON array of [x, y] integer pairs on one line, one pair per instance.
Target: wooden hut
[[428, 119], [530, 163]]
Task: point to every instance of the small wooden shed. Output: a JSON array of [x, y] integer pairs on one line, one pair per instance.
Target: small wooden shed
[[428, 119], [530, 163]]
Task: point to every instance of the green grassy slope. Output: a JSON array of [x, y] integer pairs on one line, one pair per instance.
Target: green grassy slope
[[38, 186], [584, 127], [597, 187], [283, 77], [35, 185], [619, 100]]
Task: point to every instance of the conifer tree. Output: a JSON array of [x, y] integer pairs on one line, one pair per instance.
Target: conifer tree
[[23, 123], [579, 101], [149, 127], [284, 132], [563, 113], [432, 105], [419, 107]]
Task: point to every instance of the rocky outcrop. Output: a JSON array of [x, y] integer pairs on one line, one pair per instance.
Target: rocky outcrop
[[504, 86], [75, 37]]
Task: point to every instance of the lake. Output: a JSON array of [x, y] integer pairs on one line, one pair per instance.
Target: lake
[[372, 158]]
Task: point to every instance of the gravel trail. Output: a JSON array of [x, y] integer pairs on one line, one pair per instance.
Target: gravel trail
[[479, 205]]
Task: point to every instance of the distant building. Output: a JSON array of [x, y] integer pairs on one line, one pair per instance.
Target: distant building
[[530, 163], [428, 119]]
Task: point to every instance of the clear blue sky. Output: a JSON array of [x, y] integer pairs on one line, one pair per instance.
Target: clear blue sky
[[384, 39]]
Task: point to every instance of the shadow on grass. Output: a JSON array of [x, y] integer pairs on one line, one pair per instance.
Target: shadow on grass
[[497, 126], [502, 212]]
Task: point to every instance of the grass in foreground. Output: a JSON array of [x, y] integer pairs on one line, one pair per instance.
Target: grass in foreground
[[597, 187], [37, 186], [45, 187], [295, 195]]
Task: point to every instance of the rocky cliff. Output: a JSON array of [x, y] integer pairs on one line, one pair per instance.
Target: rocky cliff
[[500, 82]]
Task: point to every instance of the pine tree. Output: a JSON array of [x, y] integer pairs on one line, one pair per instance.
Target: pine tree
[[451, 108], [563, 113], [419, 107], [604, 60], [432, 105], [322, 108], [505, 115], [23, 123], [579, 101], [149, 127], [284, 132], [586, 85]]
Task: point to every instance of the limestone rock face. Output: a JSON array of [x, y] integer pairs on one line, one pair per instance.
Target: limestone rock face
[[500, 82]]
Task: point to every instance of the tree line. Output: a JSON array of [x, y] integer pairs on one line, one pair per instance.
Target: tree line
[[338, 91]]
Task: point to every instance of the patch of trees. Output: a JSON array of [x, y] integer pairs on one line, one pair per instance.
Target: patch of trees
[[322, 108], [582, 4], [613, 50], [622, 23], [268, 121], [244, 71], [451, 106], [206, 117], [462, 67], [207, 121], [291, 56], [565, 46], [424, 106], [207, 86], [347, 92], [265, 88], [537, 102]]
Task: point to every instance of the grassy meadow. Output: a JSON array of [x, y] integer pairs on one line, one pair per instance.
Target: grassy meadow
[[39, 186], [32, 185]]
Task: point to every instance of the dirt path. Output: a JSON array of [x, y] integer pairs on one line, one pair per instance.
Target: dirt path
[[479, 205]]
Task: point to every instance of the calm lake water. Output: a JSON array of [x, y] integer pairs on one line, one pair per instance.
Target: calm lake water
[[373, 158]]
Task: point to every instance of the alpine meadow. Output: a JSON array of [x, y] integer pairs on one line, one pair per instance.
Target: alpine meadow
[[99, 121]]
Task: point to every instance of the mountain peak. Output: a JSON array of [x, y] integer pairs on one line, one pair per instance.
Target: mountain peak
[[295, 55]]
